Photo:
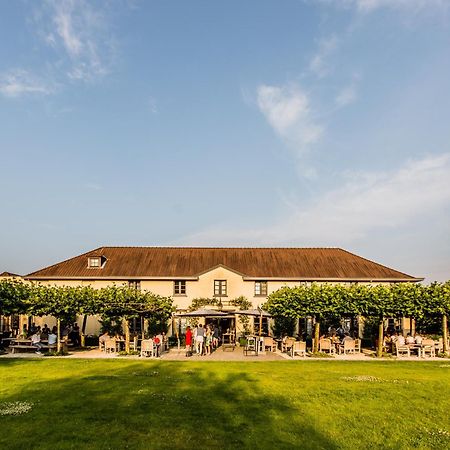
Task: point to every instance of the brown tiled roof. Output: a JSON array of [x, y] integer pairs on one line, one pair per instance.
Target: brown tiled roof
[[189, 262], [9, 274]]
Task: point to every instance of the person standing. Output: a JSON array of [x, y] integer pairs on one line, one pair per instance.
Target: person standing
[[199, 339], [188, 341], [208, 340]]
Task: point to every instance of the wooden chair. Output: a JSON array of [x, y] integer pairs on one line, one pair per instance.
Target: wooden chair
[[134, 344], [287, 345], [347, 346], [147, 348], [358, 345], [299, 348], [428, 346], [402, 349], [251, 345], [325, 345], [270, 343], [110, 346]]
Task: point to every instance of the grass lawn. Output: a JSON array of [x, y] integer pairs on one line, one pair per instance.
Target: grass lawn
[[115, 404]]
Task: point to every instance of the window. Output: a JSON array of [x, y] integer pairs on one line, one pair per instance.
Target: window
[[261, 288], [94, 262], [134, 285], [220, 287], [179, 287]]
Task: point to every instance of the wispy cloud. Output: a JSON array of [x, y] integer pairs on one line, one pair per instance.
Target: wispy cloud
[[346, 96], [414, 6], [319, 64], [287, 109], [80, 32], [19, 82], [364, 203]]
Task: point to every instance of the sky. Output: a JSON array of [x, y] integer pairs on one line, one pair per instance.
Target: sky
[[196, 123]]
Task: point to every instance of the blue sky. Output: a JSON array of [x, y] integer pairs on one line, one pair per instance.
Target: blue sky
[[258, 123]]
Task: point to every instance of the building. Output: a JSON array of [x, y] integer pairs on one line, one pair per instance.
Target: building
[[223, 274]]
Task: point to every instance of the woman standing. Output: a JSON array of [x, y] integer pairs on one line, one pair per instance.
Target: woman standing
[[188, 341], [208, 340]]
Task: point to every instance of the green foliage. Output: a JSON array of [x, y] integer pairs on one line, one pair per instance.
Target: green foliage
[[284, 326], [113, 303], [394, 300], [243, 303], [201, 302]]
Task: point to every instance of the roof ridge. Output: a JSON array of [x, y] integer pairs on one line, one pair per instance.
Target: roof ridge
[[221, 248]]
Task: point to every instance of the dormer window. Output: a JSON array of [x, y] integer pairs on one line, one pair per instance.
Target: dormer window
[[94, 262]]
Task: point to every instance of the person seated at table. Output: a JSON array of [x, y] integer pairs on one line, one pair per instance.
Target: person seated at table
[[387, 342], [32, 329], [24, 333], [400, 340], [52, 338], [74, 335], [44, 333], [346, 337], [46, 329], [36, 342], [418, 339], [410, 339], [103, 338]]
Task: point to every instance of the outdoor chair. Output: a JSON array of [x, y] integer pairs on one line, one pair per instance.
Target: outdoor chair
[[299, 348], [134, 344], [428, 346], [270, 343], [325, 345], [358, 345], [287, 345], [110, 346], [347, 346], [251, 345], [402, 349], [147, 348]]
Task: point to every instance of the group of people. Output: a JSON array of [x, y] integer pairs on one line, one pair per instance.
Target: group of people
[[41, 335], [37, 335], [203, 339], [391, 340], [159, 340]]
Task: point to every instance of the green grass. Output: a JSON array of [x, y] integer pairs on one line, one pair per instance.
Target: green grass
[[116, 404]]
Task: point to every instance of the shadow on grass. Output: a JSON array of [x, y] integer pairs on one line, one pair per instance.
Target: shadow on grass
[[106, 404]]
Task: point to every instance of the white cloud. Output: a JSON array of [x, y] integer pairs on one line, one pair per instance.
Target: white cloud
[[287, 109], [415, 6], [366, 202], [346, 96], [319, 64], [19, 82], [81, 33]]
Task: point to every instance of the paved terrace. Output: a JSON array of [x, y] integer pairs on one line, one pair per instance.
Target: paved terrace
[[220, 355]]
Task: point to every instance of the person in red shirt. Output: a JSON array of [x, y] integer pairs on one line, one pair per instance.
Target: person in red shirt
[[188, 341]]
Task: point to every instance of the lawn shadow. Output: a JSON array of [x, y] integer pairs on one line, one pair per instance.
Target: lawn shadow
[[116, 404]]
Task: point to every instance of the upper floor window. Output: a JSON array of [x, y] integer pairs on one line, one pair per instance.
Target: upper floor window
[[179, 287], [94, 262], [220, 287], [261, 288], [134, 284]]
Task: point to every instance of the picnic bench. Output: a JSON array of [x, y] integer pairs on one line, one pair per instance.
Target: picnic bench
[[26, 344]]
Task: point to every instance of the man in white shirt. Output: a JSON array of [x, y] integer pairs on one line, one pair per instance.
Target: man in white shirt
[[401, 340], [410, 339], [52, 338]]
